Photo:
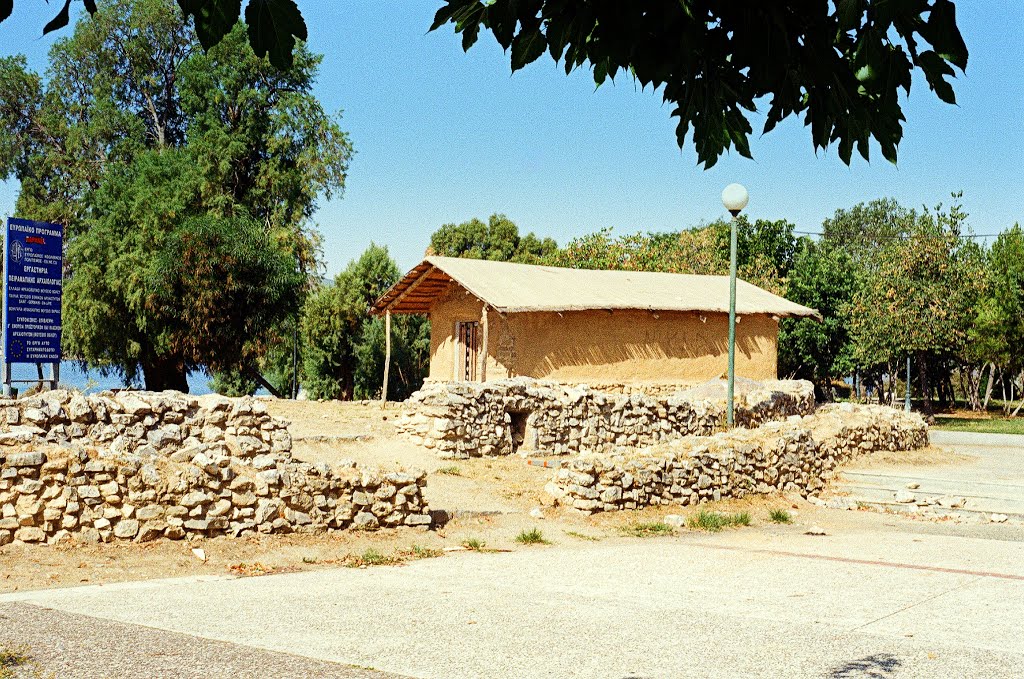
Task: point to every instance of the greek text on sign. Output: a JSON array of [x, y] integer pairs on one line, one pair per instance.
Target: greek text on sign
[[33, 278]]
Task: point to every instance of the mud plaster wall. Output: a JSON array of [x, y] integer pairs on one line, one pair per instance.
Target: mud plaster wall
[[639, 346], [599, 346], [457, 305]]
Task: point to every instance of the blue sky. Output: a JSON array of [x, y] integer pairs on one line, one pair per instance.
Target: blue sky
[[444, 136]]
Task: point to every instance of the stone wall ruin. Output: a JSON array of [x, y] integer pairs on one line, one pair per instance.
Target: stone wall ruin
[[473, 419], [142, 465], [797, 455]]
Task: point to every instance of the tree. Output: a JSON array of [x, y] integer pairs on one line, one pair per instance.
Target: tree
[[410, 357], [273, 26], [764, 251], [343, 354], [865, 229], [919, 298], [497, 240], [997, 333], [821, 278], [157, 285], [145, 148], [840, 64]]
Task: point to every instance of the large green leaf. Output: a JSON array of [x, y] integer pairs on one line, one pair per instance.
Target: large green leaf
[[274, 25], [839, 65], [213, 19], [59, 21]]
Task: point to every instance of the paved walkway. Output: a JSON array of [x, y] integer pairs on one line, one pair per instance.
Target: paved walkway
[[992, 481], [867, 601]]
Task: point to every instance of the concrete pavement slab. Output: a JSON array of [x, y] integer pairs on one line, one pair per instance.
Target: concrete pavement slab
[[991, 477], [657, 608]]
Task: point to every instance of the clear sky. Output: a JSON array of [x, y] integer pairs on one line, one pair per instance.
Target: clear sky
[[443, 136]]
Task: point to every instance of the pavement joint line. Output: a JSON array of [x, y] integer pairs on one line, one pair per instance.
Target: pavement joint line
[[865, 562], [918, 603], [929, 479]]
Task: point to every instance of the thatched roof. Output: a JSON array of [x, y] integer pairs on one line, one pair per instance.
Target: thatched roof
[[516, 288]]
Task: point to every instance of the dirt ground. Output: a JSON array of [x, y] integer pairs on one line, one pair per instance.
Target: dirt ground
[[488, 502]]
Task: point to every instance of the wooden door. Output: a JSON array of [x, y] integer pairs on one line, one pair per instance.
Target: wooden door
[[468, 351]]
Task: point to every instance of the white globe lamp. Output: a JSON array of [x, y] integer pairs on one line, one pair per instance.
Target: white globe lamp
[[735, 198]]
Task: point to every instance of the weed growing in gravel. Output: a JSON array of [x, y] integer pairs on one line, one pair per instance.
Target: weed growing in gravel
[[418, 552], [309, 559], [716, 521], [11, 659], [780, 516], [453, 470], [648, 529], [582, 536], [371, 557], [532, 537], [474, 544]]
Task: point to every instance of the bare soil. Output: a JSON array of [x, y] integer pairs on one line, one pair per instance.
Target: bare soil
[[925, 457], [486, 501]]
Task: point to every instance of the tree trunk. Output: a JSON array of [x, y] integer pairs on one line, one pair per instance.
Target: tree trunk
[[988, 389], [1002, 387], [926, 392], [165, 372], [891, 393], [262, 381], [971, 379], [1017, 409]]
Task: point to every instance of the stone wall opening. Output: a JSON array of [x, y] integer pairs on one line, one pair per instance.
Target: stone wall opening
[[519, 428]]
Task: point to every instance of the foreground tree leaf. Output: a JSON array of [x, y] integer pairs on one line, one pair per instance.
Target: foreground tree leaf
[[839, 65]]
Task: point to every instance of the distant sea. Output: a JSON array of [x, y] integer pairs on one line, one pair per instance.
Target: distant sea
[[92, 381]]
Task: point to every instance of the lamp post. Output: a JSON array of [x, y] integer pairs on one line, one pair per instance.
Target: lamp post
[[734, 198]]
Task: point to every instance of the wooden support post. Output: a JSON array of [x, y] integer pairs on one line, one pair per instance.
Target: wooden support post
[[387, 356], [482, 372]]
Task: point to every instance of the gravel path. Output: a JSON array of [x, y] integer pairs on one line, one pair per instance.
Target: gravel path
[[69, 646]]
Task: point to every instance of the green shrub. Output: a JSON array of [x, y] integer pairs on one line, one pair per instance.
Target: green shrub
[[532, 537], [713, 522]]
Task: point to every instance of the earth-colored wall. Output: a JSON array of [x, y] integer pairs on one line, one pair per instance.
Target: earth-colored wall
[[455, 306], [621, 346], [639, 346]]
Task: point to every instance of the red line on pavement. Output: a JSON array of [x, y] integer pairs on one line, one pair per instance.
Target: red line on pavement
[[867, 562]]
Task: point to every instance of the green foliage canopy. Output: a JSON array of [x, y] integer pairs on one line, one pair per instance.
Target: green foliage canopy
[[497, 240], [185, 181], [273, 26], [343, 350], [839, 64]]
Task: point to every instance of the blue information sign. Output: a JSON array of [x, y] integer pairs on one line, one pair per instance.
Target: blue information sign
[[33, 276]]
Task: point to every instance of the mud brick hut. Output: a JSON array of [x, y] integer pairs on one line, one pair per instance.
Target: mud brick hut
[[495, 320]]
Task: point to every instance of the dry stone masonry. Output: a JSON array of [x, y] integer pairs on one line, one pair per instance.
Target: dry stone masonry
[[798, 455], [142, 465], [472, 419]]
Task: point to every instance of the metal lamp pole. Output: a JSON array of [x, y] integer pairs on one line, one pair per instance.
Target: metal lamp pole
[[734, 198]]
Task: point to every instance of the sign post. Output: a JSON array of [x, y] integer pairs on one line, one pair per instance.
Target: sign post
[[33, 284]]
